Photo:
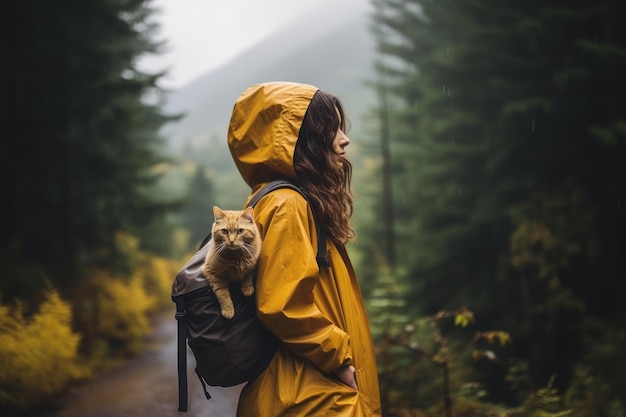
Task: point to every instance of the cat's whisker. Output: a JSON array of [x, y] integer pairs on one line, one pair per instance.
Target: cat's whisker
[[220, 248], [246, 248]]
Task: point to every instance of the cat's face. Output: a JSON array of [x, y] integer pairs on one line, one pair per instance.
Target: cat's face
[[234, 229]]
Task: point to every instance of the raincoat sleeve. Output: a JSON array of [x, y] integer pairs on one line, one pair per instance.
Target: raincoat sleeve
[[287, 274]]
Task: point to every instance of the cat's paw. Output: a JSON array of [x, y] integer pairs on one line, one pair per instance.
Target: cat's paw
[[247, 290], [228, 313]]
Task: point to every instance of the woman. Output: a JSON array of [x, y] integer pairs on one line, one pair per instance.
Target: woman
[[325, 364]]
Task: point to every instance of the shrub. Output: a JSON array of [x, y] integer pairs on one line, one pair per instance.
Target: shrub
[[156, 275], [38, 354], [121, 312]]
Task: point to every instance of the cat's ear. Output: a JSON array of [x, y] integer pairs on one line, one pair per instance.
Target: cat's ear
[[248, 214], [218, 213]]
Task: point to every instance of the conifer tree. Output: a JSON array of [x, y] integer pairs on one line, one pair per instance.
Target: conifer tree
[[509, 149], [83, 124], [197, 217]]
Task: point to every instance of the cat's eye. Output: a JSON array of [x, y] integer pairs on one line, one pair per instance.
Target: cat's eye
[[239, 231], [225, 232]]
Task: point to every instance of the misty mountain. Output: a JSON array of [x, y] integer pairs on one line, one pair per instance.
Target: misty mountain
[[334, 52]]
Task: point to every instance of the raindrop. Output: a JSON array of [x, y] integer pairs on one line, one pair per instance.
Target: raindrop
[[448, 51], [444, 89], [532, 126]]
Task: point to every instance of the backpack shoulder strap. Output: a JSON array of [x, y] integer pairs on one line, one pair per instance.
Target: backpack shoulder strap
[[322, 259], [182, 355]]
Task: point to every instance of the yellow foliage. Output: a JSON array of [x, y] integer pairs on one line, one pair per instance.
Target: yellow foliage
[[116, 310], [38, 355], [504, 338], [463, 317], [157, 275], [122, 310], [127, 243], [496, 336]]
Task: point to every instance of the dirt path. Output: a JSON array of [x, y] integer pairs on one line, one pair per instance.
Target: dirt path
[[148, 386]]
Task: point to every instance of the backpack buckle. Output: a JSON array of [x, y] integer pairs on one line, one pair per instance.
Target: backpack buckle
[[180, 315]]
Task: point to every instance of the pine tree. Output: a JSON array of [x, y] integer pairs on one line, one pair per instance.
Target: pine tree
[[508, 147], [197, 216], [83, 131]]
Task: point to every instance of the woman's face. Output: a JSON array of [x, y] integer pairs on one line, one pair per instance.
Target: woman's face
[[340, 142]]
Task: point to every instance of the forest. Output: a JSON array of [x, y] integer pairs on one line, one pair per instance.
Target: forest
[[489, 191]]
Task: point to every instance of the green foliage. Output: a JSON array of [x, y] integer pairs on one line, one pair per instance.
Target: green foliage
[[508, 165], [519, 379], [84, 126], [421, 367], [387, 311], [546, 402], [224, 185], [83, 192], [197, 217], [469, 407], [599, 380], [38, 353], [210, 178]]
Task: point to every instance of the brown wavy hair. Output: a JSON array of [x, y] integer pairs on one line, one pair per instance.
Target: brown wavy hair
[[324, 176]]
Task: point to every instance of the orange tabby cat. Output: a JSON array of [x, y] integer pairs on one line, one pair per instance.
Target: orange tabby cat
[[232, 255]]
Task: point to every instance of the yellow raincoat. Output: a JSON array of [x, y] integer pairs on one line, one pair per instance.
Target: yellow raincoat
[[318, 315]]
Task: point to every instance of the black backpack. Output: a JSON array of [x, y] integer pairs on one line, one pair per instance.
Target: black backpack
[[227, 352]]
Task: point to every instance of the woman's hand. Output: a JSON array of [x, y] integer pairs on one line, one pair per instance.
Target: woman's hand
[[346, 375]]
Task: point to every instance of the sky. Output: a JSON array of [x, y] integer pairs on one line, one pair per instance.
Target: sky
[[201, 35]]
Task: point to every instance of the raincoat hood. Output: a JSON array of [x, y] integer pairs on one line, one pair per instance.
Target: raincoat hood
[[264, 128]]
